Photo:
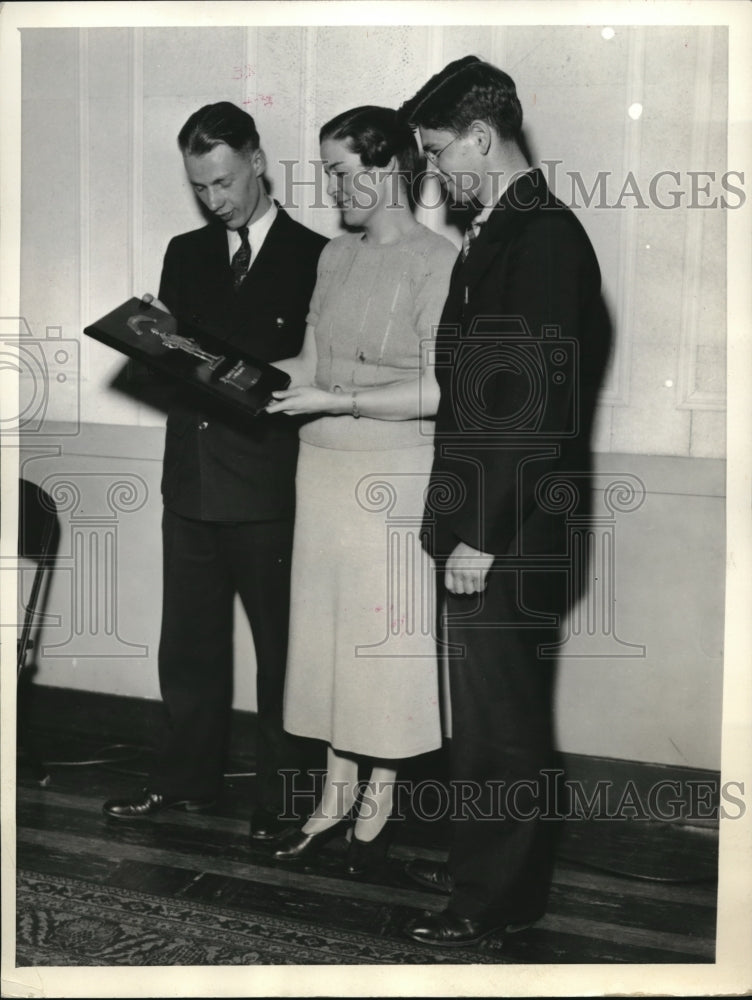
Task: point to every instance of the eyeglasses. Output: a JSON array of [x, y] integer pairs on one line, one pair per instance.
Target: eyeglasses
[[434, 157]]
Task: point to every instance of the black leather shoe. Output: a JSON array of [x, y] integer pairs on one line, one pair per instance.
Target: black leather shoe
[[431, 875], [368, 855], [266, 825], [449, 930], [149, 803], [294, 845]]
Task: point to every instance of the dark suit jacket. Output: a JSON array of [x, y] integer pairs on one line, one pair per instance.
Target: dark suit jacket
[[521, 350], [219, 467]]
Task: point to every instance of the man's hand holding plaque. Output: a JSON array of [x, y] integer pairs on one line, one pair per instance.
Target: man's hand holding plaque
[[146, 331]]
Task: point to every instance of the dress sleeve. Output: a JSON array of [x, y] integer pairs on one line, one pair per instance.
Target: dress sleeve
[[324, 271], [432, 288]]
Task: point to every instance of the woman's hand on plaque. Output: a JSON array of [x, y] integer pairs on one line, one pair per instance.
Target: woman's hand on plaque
[[303, 400]]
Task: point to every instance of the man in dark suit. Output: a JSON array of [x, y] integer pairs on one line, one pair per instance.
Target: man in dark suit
[[519, 355], [227, 484]]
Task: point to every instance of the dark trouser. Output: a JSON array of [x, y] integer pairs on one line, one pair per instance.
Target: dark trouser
[[502, 745], [205, 564]]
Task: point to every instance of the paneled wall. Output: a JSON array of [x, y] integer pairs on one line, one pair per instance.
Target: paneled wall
[[641, 665], [103, 185], [607, 114]]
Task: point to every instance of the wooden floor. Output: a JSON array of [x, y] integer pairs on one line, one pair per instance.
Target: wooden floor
[[594, 915]]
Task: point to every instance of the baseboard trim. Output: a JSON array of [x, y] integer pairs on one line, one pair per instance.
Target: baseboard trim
[[608, 787]]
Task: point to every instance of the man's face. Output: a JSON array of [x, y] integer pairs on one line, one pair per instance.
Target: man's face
[[455, 161], [227, 183]]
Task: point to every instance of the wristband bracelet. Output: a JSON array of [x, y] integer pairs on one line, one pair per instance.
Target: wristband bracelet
[[355, 410]]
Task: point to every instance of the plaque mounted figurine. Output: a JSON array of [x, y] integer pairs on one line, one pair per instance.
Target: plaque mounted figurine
[[174, 348]]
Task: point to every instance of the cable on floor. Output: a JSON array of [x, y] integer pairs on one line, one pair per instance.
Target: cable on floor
[[688, 880], [98, 759], [135, 752]]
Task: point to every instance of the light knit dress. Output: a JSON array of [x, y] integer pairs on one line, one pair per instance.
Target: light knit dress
[[362, 671]]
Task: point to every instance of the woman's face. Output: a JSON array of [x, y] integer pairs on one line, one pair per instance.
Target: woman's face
[[357, 191]]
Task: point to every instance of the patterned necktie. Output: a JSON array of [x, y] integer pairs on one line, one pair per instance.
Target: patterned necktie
[[241, 258], [469, 235]]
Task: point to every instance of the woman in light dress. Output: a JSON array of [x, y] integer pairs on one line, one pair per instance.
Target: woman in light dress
[[362, 669]]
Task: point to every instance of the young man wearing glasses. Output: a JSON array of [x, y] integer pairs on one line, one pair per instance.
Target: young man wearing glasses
[[521, 349]]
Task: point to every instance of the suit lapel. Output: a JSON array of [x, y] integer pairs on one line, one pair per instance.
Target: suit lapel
[[265, 269], [480, 258], [516, 203], [467, 274], [216, 263]]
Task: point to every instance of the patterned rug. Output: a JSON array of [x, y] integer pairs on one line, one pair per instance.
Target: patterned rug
[[69, 922]]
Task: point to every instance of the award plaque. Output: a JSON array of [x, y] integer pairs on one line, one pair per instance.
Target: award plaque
[[170, 346]]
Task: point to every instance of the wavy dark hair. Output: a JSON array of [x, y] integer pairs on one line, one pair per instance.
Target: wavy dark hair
[[467, 90], [377, 134], [218, 123]]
